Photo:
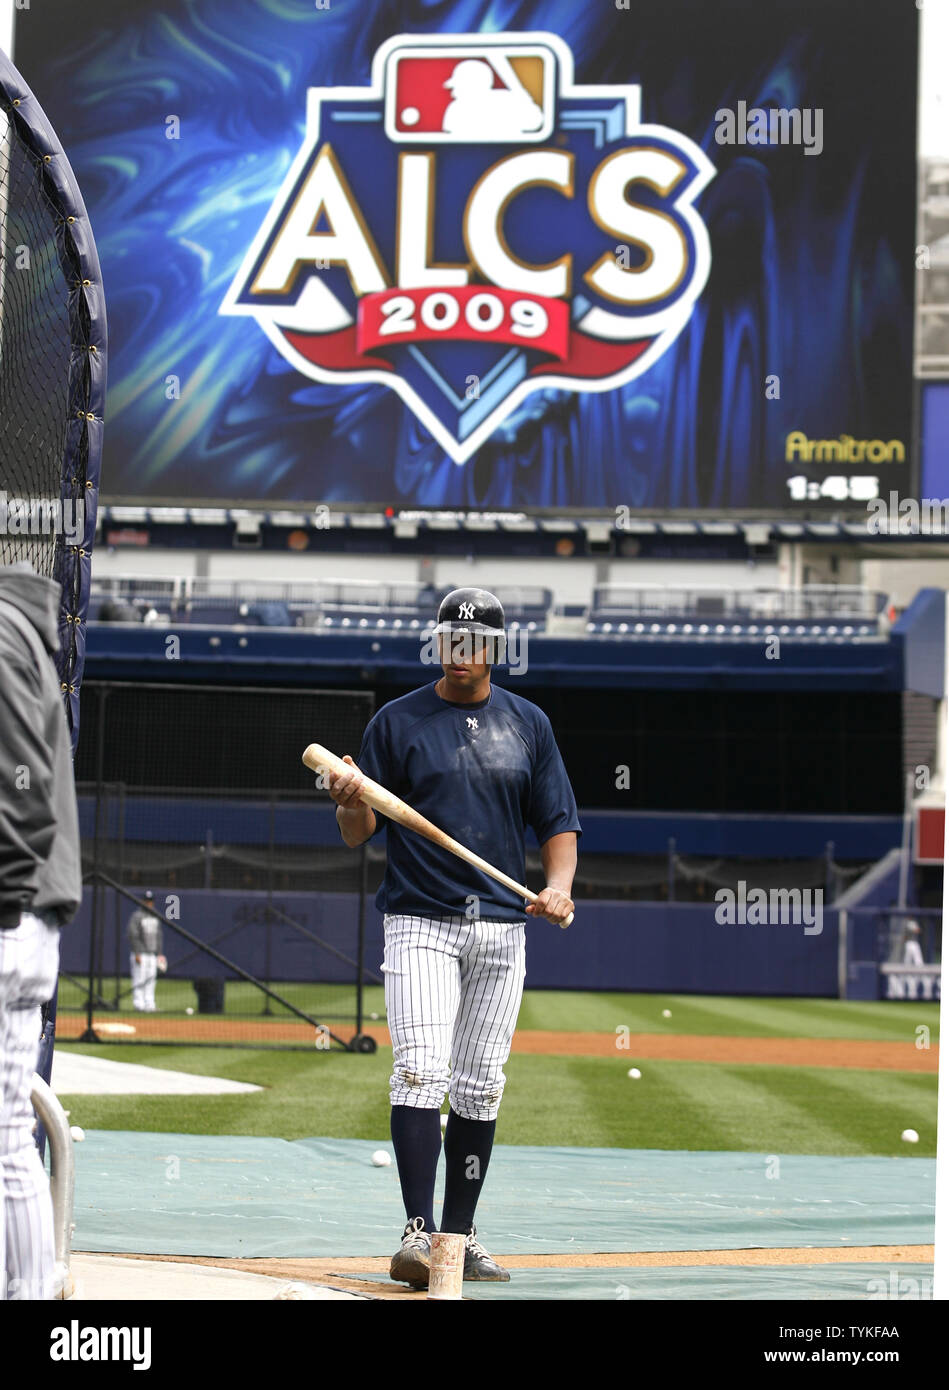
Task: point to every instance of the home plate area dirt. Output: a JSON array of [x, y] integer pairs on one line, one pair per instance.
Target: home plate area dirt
[[333, 1272]]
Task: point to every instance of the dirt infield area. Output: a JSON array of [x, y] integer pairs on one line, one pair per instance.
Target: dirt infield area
[[332, 1271], [672, 1047], [781, 1052]]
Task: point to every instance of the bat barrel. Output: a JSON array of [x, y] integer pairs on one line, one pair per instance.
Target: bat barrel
[[318, 758]]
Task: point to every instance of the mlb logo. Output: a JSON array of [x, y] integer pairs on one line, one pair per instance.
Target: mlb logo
[[473, 227], [472, 93]]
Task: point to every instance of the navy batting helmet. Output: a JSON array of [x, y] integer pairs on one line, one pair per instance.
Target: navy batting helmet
[[474, 611]]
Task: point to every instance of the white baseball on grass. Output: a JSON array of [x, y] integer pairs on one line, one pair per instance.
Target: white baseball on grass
[[189, 1010], [78, 1133], [381, 1159], [667, 1013], [634, 1073], [909, 1136], [374, 1017]]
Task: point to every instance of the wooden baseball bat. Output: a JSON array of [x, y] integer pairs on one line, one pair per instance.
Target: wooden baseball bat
[[320, 759]]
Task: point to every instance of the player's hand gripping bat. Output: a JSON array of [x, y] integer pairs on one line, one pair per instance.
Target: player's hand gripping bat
[[320, 759]]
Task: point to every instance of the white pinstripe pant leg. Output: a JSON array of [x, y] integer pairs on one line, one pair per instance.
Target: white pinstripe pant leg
[[423, 989], [144, 973], [492, 983], [29, 964]]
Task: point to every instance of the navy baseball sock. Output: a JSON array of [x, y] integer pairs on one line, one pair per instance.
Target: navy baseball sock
[[468, 1145], [417, 1140]]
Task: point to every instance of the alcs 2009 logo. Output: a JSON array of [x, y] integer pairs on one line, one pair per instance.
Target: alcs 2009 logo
[[473, 227]]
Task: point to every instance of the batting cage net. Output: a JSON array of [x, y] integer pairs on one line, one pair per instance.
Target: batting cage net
[[253, 933], [53, 344], [52, 367]]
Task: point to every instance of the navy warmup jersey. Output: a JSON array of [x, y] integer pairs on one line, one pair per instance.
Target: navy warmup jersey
[[482, 773]]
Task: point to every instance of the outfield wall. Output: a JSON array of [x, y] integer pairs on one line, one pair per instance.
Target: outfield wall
[[657, 947]]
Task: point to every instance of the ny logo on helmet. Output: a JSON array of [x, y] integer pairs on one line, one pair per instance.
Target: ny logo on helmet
[[466, 610], [472, 227]]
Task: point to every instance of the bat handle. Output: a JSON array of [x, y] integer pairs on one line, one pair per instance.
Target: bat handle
[[564, 925]]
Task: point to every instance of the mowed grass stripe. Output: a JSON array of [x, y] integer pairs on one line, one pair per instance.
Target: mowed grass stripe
[[702, 1106], [584, 1103], [731, 1110], [796, 1114], [765, 1018], [808, 1110], [736, 1016], [682, 1105], [886, 1104], [584, 1011], [806, 1018], [576, 1101], [339, 1095], [319, 1001]]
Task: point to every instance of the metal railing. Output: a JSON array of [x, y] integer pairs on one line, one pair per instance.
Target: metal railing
[[305, 600], [712, 603]]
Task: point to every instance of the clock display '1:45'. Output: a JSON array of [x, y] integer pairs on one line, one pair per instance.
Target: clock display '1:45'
[[834, 488]]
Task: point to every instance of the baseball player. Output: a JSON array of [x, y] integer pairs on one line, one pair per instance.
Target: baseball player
[[912, 950], [483, 764], [40, 891], [145, 957]]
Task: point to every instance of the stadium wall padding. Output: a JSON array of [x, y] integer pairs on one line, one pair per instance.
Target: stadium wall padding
[[659, 947]]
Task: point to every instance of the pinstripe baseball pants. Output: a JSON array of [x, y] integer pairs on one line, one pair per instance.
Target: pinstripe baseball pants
[[453, 990], [144, 973], [29, 964]]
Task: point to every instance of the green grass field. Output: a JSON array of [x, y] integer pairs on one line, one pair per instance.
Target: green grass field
[[576, 1100], [242, 1000]]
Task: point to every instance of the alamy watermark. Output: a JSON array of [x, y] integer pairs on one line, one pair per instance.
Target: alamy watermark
[[776, 126], [763, 907], [42, 516], [907, 516], [472, 648], [900, 1286], [79, 1343]]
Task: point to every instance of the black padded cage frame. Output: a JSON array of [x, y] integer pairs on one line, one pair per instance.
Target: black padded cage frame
[[83, 405]]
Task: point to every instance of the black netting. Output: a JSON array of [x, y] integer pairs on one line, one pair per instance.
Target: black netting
[[203, 787], [48, 398], [39, 273], [199, 794], [200, 739]]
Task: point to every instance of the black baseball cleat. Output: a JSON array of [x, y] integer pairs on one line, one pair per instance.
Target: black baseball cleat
[[479, 1264], [410, 1263]]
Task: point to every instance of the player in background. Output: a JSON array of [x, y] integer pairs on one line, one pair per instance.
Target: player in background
[[483, 764], [40, 891], [912, 949], [145, 957]]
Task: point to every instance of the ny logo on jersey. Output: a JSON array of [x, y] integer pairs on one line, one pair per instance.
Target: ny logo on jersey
[[473, 227], [466, 610], [472, 723]]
